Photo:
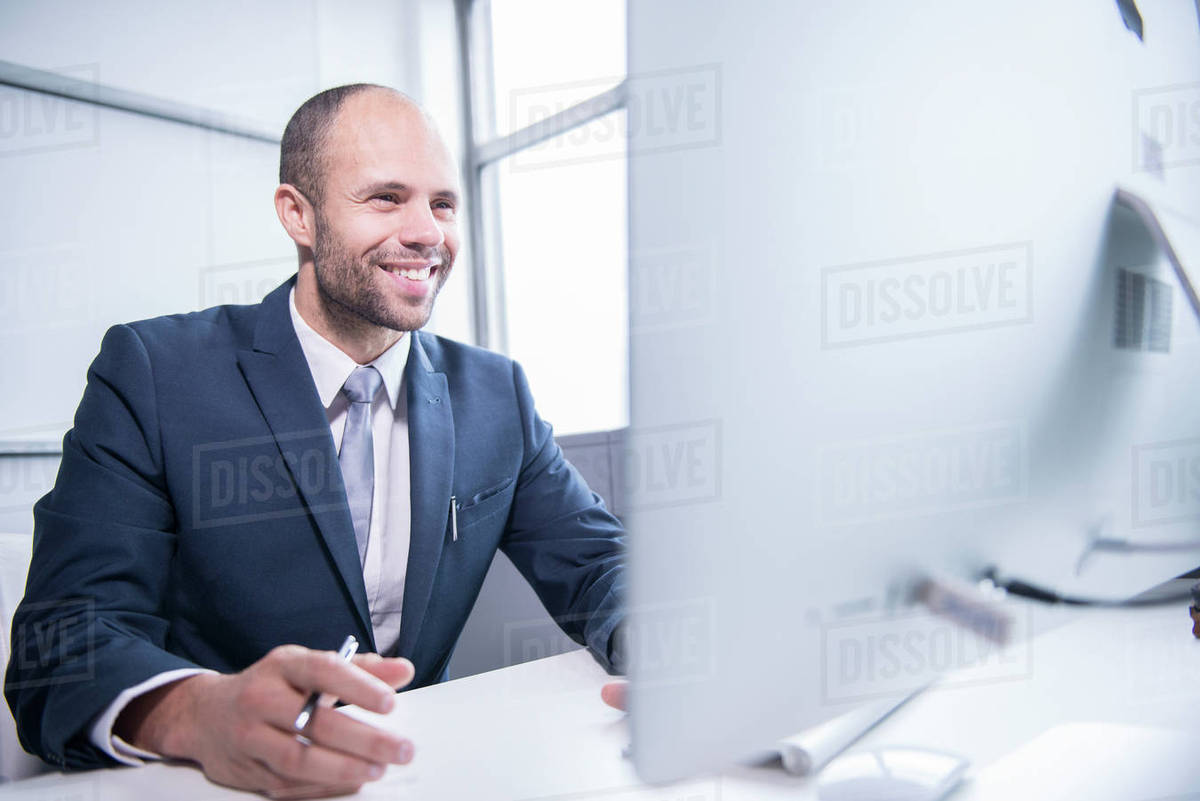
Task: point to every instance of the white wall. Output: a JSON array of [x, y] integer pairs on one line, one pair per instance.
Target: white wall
[[108, 216]]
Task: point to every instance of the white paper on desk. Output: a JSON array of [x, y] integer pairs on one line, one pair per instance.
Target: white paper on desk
[[532, 731], [1096, 762]]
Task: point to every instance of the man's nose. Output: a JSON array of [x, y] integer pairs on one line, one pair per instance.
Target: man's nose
[[419, 228]]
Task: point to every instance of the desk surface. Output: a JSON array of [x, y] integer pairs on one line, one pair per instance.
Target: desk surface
[[540, 731]]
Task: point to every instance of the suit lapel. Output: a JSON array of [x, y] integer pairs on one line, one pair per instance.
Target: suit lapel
[[431, 470], [279, 377]]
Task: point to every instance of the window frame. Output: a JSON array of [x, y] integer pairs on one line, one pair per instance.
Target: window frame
[[489, 324]]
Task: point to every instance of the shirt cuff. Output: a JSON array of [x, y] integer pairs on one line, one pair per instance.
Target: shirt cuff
[[101, 733]]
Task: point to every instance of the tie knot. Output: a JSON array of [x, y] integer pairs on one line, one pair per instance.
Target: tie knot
[[362, 384]]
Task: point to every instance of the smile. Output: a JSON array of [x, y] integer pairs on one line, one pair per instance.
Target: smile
[[410, 272]]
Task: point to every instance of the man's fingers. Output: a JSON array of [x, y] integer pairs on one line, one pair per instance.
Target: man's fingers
[[322, 671], [395, 672], [312, 766], [615, 694], [273, 785], [334, 730]]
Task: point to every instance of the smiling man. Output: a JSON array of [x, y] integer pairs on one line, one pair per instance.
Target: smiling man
[[383, 190], [246, 485]]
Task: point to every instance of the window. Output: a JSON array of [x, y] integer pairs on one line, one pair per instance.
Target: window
[[548, 179]]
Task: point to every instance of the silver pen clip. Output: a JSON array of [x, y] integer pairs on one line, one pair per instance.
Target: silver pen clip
[[454, 518]]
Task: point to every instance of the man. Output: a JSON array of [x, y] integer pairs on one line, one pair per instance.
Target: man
[[246, 485]]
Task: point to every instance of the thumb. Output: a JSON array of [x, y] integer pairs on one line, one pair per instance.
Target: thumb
[[615, 694]]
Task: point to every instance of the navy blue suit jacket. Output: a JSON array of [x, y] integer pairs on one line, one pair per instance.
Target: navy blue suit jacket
[[199, 519]]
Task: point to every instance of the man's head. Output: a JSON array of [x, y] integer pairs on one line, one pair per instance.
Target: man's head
[[369, 193]]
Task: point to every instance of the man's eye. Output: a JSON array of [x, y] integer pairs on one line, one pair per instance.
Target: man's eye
[[386, 198], [443, 205]]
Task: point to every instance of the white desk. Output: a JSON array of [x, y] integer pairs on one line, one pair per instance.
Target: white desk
[[539, 730]]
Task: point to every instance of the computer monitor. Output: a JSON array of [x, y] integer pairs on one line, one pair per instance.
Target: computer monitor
[[890, 320]]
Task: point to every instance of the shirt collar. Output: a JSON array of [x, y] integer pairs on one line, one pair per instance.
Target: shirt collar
[[330, 366]]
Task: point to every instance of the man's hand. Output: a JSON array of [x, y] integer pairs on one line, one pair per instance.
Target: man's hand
[[613, 694], [238, 727]]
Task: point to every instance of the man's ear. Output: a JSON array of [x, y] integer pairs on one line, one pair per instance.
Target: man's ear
[[296, 214]]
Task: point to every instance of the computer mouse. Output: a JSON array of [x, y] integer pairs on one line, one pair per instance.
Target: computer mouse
[[891, 774]]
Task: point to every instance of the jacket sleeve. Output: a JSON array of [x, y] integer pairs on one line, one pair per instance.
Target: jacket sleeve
[[92, 621], [564, 541]]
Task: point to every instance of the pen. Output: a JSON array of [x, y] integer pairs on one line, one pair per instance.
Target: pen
[[454, 518], [345, 653]]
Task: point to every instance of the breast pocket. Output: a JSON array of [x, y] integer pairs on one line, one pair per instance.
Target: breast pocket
[[485, 504]]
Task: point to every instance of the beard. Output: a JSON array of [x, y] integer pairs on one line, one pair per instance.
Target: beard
[[356, 287]]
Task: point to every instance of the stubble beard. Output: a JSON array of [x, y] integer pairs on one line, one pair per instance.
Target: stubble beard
[[351, 291]]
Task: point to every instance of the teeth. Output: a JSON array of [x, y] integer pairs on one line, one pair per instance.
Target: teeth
[[414, 275]]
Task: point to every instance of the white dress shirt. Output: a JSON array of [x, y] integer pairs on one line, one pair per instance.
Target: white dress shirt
[[386, 562]]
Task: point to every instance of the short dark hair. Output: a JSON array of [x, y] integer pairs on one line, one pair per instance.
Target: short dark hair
[[302, 149]]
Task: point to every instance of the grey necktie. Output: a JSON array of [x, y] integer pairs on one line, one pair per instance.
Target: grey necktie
[[357, 456]]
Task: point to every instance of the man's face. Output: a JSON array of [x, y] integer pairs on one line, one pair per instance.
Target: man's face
[[386, 233]]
